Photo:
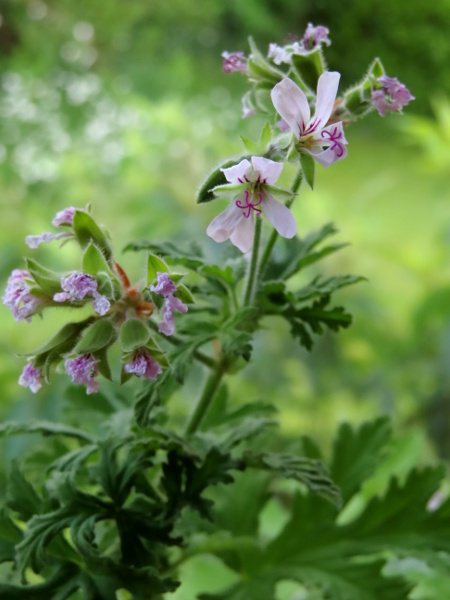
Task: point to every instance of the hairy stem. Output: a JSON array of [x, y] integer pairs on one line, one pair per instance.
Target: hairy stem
[[253, 264], [208, 394], [275, 235]]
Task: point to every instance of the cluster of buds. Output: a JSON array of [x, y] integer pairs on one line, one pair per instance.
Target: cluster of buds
[[122, 312]]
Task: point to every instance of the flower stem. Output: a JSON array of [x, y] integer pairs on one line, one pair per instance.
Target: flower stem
[[208, 394], [275, 235], [253, 264]]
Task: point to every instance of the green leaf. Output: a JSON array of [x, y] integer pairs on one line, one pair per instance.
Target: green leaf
[[87, 231], [191, 257], [205, 193], [94, 261], [155, 265], [309, 168], [42, 591], [312, 473], [134, 334], [100, 334], [48, 281], [184, 294], [357, 452], [67, 335], [21, 496], [44, 427]]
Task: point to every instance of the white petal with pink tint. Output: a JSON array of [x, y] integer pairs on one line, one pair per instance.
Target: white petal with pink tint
[[269, 170], [327, 88], [237, 173], [242, 236], [280, 216], [222, 226], [292, 105]]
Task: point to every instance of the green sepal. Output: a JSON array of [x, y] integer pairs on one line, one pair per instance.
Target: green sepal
[[261, 67], [184, 294], [228, 189], [308, 168], [159, 356], [176, 277], [99, 335], [155, 265], [279, 192], [134, 334], [94, 261], [87, 231], [101, 357], [376, 69], [48, 281], [309, 67], [216, 178]]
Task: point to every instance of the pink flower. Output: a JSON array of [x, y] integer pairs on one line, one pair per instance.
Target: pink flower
[[18, 298], [78, 285], [324, 143], [166, 288], [33, 241], [252, 186], [64, 217], [234, 61], [83, 369], [391, 96], [31, 378], [143, 365], [171, 303], [314, 36]]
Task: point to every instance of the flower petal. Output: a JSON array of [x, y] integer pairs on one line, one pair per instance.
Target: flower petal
[[269, 170], [237, 173], [327, 88], [291, 104], [332, 138], [242, 236], [280, 216], [222, 226]]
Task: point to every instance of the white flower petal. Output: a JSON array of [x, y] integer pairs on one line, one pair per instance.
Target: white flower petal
[[222, 226], [291, 104], [332, 138], [269, 170], [280, 216], [237, 173], [327, 157], [327, 88], [242, 236]]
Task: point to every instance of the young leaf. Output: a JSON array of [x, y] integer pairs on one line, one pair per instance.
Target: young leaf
[[205, 193], [155, 265], [94, 261], [184, 294], [100, 334], [134, 334], [48, 281], [87, 231]]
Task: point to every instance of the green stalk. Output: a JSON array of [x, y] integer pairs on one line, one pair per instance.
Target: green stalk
[[254, 263], [208, 394], [275, 235]]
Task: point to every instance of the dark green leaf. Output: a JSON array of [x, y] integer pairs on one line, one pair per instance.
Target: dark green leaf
[[100, 334], [215, 178]]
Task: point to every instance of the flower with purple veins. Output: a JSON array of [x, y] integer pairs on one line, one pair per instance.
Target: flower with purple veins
[[143, 365], [64, 217], [83, 369], [324, 143], [78, 285], [31, 378], [391, 96], [252, 186], [234, 61], [18, 298]]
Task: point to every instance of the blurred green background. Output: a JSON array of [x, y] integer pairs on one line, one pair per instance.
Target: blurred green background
[[124, 105]]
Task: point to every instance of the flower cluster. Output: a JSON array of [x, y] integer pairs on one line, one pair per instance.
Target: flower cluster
[[390, 95], [18, 296], [312, 39], [62, 218], [122, 311]]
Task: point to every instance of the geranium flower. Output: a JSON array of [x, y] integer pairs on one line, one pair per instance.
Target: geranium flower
[[252, 186], [166, 288], [143, 365], [83, 369], [324, 143], [18, 297], [31, 378], [391, 96], [78, 285]]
